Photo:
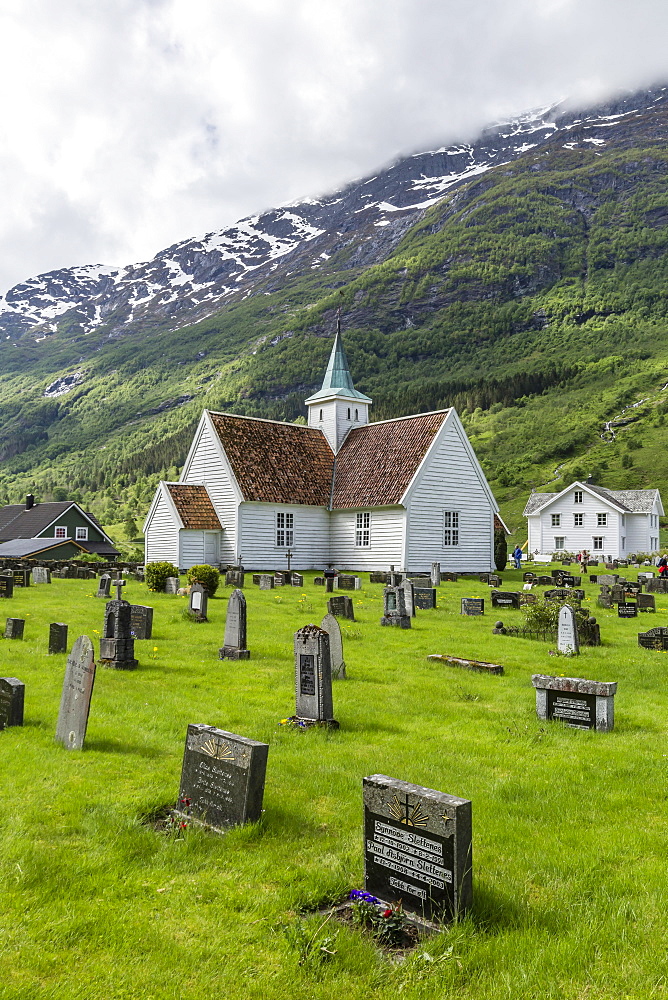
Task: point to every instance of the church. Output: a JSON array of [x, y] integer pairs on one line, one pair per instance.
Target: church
[[340, 490]]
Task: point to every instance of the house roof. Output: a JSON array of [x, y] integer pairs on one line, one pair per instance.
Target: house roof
[[377, 462], [194, 506], [276, 462], [21, 547], [17, 522], [628, 501]]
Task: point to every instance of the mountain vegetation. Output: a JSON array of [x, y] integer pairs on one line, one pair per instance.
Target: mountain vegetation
[[533, 297]]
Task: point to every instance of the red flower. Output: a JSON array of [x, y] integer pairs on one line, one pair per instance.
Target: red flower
[[387, 913]]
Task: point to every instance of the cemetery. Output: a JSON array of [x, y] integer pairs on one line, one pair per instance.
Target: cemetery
[[469, 779]]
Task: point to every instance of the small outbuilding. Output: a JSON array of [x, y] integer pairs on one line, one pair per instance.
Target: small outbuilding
[[56, 530]]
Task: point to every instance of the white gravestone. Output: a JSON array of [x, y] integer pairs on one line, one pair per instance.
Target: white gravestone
[[567, 632], [333, 629]]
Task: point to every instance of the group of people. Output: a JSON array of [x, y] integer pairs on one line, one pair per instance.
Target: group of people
[[662, 565]]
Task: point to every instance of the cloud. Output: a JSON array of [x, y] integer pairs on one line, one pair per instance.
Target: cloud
[[128, 126]]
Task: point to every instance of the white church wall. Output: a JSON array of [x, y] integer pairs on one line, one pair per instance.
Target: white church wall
[[205, 465], [449, 482], [386, 539], [191, 546], [257, 537], [162, 533], [338, 417]]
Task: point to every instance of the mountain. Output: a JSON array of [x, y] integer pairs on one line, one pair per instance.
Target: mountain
[[520, 277]]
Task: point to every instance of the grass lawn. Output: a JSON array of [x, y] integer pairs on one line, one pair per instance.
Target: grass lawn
[[570, 837]]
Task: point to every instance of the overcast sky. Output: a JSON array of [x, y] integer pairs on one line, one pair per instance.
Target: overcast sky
[[128, 125]]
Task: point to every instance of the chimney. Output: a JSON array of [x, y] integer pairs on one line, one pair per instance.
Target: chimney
[[590, 480], [30, 501]]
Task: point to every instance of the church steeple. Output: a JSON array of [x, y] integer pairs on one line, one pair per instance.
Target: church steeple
[[337, 406]]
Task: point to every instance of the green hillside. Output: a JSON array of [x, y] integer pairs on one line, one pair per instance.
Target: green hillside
[[534, 300]]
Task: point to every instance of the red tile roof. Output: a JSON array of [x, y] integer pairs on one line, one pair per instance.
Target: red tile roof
[[377, 462], [276, 462], [194, 507]]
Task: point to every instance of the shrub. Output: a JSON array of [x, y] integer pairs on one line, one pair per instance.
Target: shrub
[[206, 575], [500, 549], [157, 573]]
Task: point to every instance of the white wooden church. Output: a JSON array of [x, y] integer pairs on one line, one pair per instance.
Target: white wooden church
[[339, 491]]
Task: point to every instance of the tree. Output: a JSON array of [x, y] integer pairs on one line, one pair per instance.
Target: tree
[[500, 549], [130, 528]]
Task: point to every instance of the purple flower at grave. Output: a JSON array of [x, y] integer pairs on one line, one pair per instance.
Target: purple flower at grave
[[358, 894]]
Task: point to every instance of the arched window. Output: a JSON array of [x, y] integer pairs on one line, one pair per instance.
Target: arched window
[[357, 416], [348, 413], [321, 414]]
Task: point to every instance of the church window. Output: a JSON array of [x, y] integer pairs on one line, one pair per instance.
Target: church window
[[321, 414], [451, 527], [348, 413], [60, 531], [363, 529], [357, 416], [285, 534]]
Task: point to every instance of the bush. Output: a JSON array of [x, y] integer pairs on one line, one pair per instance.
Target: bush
[[500, 549], [206, 575], [157, 573]]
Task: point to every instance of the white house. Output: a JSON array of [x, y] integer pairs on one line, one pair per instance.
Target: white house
[[338, 491], [605, 522]]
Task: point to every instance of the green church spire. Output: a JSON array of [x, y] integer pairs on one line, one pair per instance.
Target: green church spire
[[338, 381]]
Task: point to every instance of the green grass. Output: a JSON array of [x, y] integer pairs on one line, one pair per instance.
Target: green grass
[[570, 835]]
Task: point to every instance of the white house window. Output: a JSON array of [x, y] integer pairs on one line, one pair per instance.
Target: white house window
[[60, 531], [285, 534], [601, 520], [556, 520], [578, 520], [82, 534], [597, 543], [451, 527], [577, 496], [559, 542], [363, 529]]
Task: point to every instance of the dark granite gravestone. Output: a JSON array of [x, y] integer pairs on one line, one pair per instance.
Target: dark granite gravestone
[[330, 584], [21, 577], [342, 607], [234, 578], [646, 602], [256, 579], [337, 663], [579, 703], [234, 643], [297, 580], [279, 579], [313, 677], [198, 604], [604, 599], [529, 577], [267, 582], [562, 594], [409, 600], [657, 585], [394, 607], [527, 598], [654, 638], [617, 593], [172, 585], [473, 606], [378, 577], [141, 621], [222, 778], [14, 628], [117, 647], [505, 599], [76, 696], [418, 848], [545, 581], [449, 578], [104, 587], [57, 638], [6, 586], [318, 581], [40, 574], [424, 598], [567, 632], [494, 581], [12, 695], [627, 609], [435, 579], [630, 587], [347, 581]]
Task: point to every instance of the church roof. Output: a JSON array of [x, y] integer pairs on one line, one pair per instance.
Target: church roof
[[194, 507], [338, 381], [376, 462], [276, 462]]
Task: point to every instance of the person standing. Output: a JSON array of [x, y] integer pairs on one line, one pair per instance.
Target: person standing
[[517, 556]]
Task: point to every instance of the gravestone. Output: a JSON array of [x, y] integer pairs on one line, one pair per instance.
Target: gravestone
[[234, 642], [630, 587], [561, 594], [658, 585], [654, 638], [418, 848], [222, 778], [342, 607], [57, 638], [297, 580], [330, 583], [644, 577], [449, 577], [319, 581], [378, 577], [545, 581], [21, 577], [424, 598], [256, 579], [617, 593], [604, 599], [627, 609], [347, 582], [646, 602], [267, 582], [435, 574], [234, 578], [313, 677], [567, 631], [529, 577], [473, 606], [6, 586], [104, 587], [14, 628], [408, 597], [117, 647], [333, 630], [199, 599], [172, 585], [608, 578], [12, 695], [279, 579], [527, 599], [76, 696], [494, 581], [41, 574], [579, 703], [394, 607], [505, 599], [141, 621]]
